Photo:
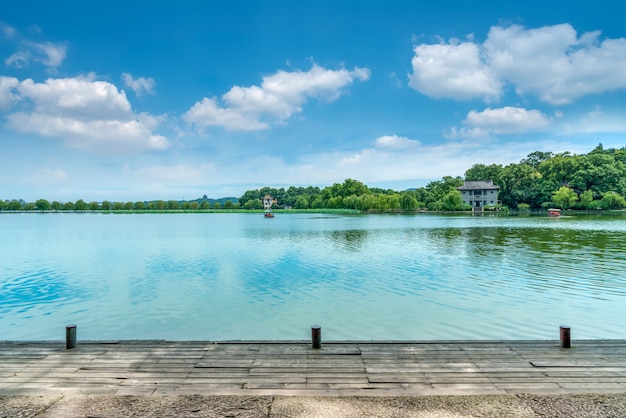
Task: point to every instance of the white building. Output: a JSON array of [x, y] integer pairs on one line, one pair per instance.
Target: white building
[[268, 202], [479, 194]]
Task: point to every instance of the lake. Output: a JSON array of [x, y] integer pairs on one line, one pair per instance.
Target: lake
[[195, 276]]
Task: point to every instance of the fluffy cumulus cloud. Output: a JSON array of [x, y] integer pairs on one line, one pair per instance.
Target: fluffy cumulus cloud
[[277, 98], [453, 70], [85, 113], [8, 95], [505, 120], [551, 62], [139, 85]]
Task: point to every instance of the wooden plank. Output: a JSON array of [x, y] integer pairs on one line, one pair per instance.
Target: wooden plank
[[454, 367]]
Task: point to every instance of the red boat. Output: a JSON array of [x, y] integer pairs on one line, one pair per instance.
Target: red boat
[[554, 212]]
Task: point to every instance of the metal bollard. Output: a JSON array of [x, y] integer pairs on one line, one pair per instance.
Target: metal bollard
[[70, 336], [565, 336], [316, 336]]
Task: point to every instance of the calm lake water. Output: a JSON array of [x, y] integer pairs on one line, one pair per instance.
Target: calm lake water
[[240, 276]]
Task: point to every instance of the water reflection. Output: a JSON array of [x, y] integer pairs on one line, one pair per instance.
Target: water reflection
[[349, 240], [227, 276], [36, 288]]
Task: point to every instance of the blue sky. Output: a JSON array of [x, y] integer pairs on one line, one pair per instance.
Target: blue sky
[[141, 100]]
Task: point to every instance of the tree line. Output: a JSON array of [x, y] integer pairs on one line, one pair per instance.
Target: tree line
[[596, 180], [80, 205]]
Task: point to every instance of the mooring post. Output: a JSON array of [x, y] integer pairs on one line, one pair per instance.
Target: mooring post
[[70, 336], [565, 336], [316, 336]]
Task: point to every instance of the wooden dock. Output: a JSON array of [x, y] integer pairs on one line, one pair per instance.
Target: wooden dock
[[342, 368]]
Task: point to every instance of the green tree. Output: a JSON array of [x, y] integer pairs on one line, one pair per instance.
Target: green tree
[[217, 205], [335, 202], [612, 200], [302, 202], [206, 205], [534, 159], [139, 205], [15, 205], [42, 204], [516, 183], [106, 205], [366, 202], [3, 205], [408, 202], [393, 202], [452, 200], [228, 204], [253, 204], [564, 198], [68, 206], [93, 205], [561, 168], [438, 189], [481, 172], [55, 205], [194, 205], [80, 205], [585, 199], [317, 203]]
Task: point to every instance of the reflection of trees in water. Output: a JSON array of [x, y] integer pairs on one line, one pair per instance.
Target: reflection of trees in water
[[493, 242], [570, 259], [351, 239]]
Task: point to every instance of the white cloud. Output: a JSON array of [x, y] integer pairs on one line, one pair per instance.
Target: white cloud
[[507, 120], [140, 85], [77, 98], [395, 142], [208, 113], [279, 97], [466, 132], [86, 114], [49, 54], [7, 91], [551, 62], [453, 70]]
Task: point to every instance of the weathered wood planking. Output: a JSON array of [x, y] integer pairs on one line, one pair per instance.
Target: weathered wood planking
[[149, 367]]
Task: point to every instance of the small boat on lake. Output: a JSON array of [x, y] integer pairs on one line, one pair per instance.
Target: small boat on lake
[[269, 214], [555, 213]]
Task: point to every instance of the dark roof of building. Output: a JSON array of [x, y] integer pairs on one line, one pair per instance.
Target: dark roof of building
[[478, 185]]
